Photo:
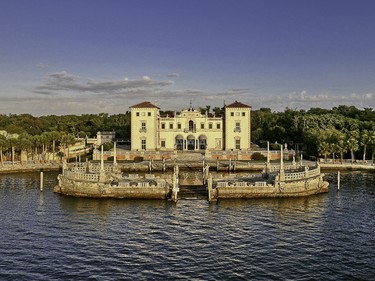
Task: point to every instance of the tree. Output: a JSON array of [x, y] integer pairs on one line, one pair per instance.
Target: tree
[[353, 143], [365, 137], [218, 111], [54, 136], [371, 142], [341, 148], [2, 145], [324, 149], [24, 143], [66, 141]]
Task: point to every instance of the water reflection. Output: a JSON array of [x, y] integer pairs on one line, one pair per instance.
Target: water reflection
[[105, 206]]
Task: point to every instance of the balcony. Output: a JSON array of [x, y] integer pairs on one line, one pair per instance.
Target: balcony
[[237, 130], [142, 130]]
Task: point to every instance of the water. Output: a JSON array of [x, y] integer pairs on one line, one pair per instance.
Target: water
[[46, 236]]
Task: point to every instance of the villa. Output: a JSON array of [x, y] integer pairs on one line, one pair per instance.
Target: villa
[[190, 129]]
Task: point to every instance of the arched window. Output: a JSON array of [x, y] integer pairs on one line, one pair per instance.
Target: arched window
[[191, 142], [202, 142], [179, 142], [191, 125]]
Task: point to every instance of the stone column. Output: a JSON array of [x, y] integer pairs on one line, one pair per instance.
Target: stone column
[[102, 160], [114, 154]]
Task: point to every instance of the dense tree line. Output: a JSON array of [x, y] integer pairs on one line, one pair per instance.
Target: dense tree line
[[340, 132], [39, 136], [81, 126]]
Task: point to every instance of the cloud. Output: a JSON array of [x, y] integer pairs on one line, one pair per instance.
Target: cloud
[[63, 81], [66, 93], [305, 100], [172, 74], [42, 65]]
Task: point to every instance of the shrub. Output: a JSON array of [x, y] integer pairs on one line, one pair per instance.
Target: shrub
[[138, 159], [258, 156]]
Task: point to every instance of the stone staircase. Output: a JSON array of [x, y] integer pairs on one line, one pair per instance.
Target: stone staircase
[[189, 156]]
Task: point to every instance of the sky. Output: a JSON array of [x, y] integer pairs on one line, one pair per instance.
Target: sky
[[102, 56]]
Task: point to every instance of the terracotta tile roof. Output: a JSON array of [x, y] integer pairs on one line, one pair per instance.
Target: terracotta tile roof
[[145, 104], [237, 104]]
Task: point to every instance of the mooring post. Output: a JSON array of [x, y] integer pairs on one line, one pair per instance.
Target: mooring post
[[338, 180], [203, 169], [41, 181], [163, 163], [209, 188]]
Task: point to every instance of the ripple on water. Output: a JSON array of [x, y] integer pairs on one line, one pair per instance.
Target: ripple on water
[[48, 236]]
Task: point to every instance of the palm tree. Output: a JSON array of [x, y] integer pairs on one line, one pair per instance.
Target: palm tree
[[365, 138], [24, 143], [333, 149], [11, 142], [36, 140], [353, 143], [54, 136], [67, 140], [45, 140], [341, 148], [371, 142], [324, 149], [2, 145]]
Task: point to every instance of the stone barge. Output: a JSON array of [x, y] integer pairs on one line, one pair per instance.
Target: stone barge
[[275, 181], [107, 181]]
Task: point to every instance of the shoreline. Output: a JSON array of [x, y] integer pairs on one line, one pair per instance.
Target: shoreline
[[27, 168], [157, 167]]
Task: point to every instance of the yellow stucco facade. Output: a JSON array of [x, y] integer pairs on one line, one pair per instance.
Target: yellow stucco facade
[[189, 129]]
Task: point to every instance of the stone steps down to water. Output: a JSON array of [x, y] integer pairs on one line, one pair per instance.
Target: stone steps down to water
[[192, 192]]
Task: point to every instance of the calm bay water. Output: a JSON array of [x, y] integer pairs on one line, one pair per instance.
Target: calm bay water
[[46, 236]]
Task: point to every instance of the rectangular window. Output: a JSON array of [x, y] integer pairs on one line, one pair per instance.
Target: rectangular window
[[232, 114], [237, 114], [137, 114], [162, 143], [170, 125], [144, 144], [163, 125], [143, 113], [243, 113], [179, 125], [143, 127], [217, 125], [209, 125], [238, 127], [149, 113], [202, 125], [238, 144]]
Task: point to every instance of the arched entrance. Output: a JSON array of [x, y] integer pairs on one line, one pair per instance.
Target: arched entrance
[[191, 142], [179, 145], [202, 142]]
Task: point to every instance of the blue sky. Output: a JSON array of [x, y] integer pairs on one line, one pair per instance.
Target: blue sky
[[77, 56]]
